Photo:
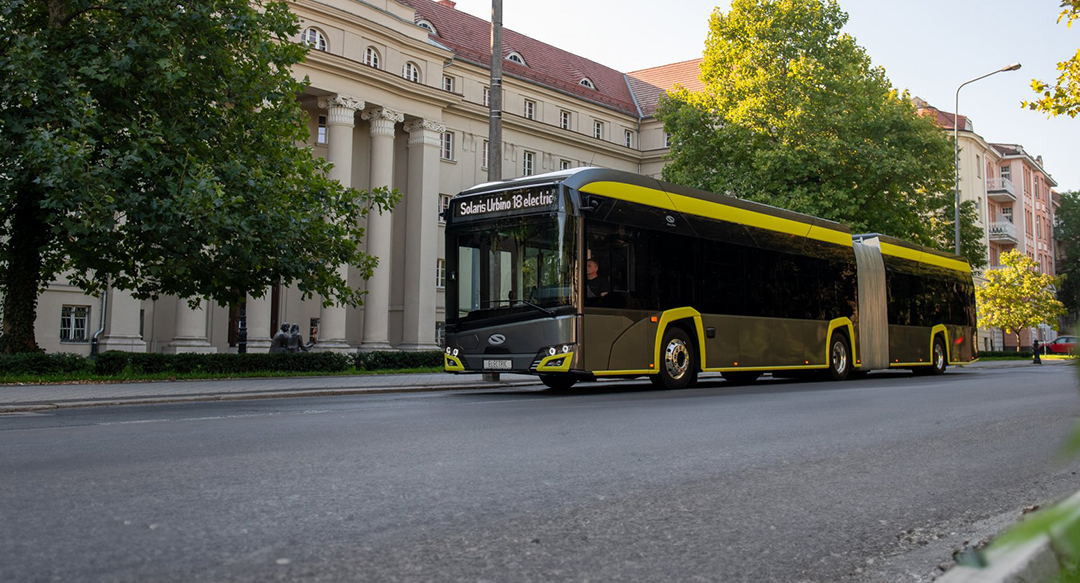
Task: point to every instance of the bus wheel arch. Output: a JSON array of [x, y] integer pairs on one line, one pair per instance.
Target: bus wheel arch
[[839, 356], [679, 356]]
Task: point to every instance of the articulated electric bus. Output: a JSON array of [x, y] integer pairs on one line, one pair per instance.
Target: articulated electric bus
[[592, 273]]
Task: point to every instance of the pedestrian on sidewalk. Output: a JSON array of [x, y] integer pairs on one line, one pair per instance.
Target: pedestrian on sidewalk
[[1035, 349]]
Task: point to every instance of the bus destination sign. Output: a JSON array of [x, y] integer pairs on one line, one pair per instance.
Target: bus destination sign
[[509, 202]]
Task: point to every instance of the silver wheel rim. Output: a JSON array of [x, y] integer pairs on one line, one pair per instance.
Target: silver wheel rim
[[839, 357], [939, 356], [677, 359]]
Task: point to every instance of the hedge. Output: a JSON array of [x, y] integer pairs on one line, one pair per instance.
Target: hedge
[[390, 360], [41, 363], [1005, 353]]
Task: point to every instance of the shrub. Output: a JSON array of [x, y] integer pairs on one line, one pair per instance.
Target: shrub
[[41, 363], [111, 363], [1005, 353], [240, 363], [389, 360]]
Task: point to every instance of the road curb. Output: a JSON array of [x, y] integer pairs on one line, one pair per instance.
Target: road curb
[[283, 394], [1038, 560]]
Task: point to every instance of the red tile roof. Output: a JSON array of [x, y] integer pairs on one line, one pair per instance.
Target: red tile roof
[[943, 119], [470, 39], [649, 84]]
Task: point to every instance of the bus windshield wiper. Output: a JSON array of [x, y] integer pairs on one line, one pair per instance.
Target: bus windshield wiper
[[512, 303]]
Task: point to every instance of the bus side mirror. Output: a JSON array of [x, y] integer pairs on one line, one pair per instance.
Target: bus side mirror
[[589, 204]]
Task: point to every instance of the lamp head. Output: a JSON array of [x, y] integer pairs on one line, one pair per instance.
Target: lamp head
[[1012, 67]]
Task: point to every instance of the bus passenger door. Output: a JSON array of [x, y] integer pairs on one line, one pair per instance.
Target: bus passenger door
[[616, 334]]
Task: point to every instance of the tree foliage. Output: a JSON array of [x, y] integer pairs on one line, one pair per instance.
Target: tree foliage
[[1064, 96], [156, 146], [1016, 296], [1067, 233], [794, 115]]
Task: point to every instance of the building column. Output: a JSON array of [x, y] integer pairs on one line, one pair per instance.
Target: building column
[[340, 121], [122, 324], [258, 323], [379, 231], [190, 332], [421, 244]]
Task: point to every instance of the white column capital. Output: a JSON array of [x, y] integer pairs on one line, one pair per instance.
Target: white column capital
[[341, 109], [424, 132], [382, 120]]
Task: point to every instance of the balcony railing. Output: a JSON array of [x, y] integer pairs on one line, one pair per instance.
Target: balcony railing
[[1000, 190], [1002, 232]]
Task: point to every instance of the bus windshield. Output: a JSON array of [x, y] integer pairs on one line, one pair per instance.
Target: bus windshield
[[513, 265]]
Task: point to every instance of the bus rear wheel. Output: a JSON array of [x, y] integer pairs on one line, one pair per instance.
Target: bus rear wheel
[[678, 363], [839, 358], [559, 382]]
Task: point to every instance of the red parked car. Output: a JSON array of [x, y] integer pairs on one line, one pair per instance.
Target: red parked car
[[1063, 345]]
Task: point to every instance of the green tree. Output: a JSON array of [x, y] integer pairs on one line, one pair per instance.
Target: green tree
[[1064, 96], [794, 115], [1017, 296], [1067, 232], [156, 146]]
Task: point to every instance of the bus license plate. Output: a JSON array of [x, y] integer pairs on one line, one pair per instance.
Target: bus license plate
[[498, 364]]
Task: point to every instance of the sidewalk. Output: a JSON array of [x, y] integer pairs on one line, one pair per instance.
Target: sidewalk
[[17, 398]]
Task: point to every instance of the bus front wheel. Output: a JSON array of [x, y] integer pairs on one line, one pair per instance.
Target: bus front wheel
[[941, 357], [559, 382], [678, 364]]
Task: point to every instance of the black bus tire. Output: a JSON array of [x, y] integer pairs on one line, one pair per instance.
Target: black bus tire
[[559, 382], [839, 358], [939, 358], [678, 362]]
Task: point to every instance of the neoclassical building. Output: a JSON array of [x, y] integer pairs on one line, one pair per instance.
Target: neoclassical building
[[398, 97]]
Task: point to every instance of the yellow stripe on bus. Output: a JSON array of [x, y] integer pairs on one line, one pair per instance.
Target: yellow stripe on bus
[[913, 255], [713, 210]]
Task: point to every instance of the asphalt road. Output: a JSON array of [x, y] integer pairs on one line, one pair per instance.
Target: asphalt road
[[864, 481]]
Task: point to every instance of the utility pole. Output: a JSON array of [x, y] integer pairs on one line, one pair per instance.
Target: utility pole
[[495, 95]]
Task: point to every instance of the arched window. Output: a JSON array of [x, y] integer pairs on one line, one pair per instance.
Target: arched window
[[315, 39], [586, 82], [371, 57], [430, 27], [411, 72], [516, 57]]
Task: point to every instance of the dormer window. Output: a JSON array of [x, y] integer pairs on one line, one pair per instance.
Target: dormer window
[[315, 39], [430, 27], [586, 82], [516, 57]]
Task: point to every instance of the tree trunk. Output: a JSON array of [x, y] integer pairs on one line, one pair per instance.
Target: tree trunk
[[23, 276], [1017, 341]]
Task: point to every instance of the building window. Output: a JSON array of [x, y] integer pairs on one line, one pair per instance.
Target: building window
[[487, 96], [371, 57], [444, 207], [484, 158], [430, 27], [564, 120], [586, 82], [440, 274], [320, 138], [515, 57], [1006, 172], [73, 323], [440, 334], [527, 165], [448, 83], [411, 72], [530, 109], [564, 164], [598, 130], [314, 39], [446, 144], [978, 166], [628, 139], [667, 139]]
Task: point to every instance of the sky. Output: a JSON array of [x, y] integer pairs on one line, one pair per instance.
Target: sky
[[927, 47]]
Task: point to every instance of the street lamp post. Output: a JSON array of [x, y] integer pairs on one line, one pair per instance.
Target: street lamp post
[[956, 146]]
